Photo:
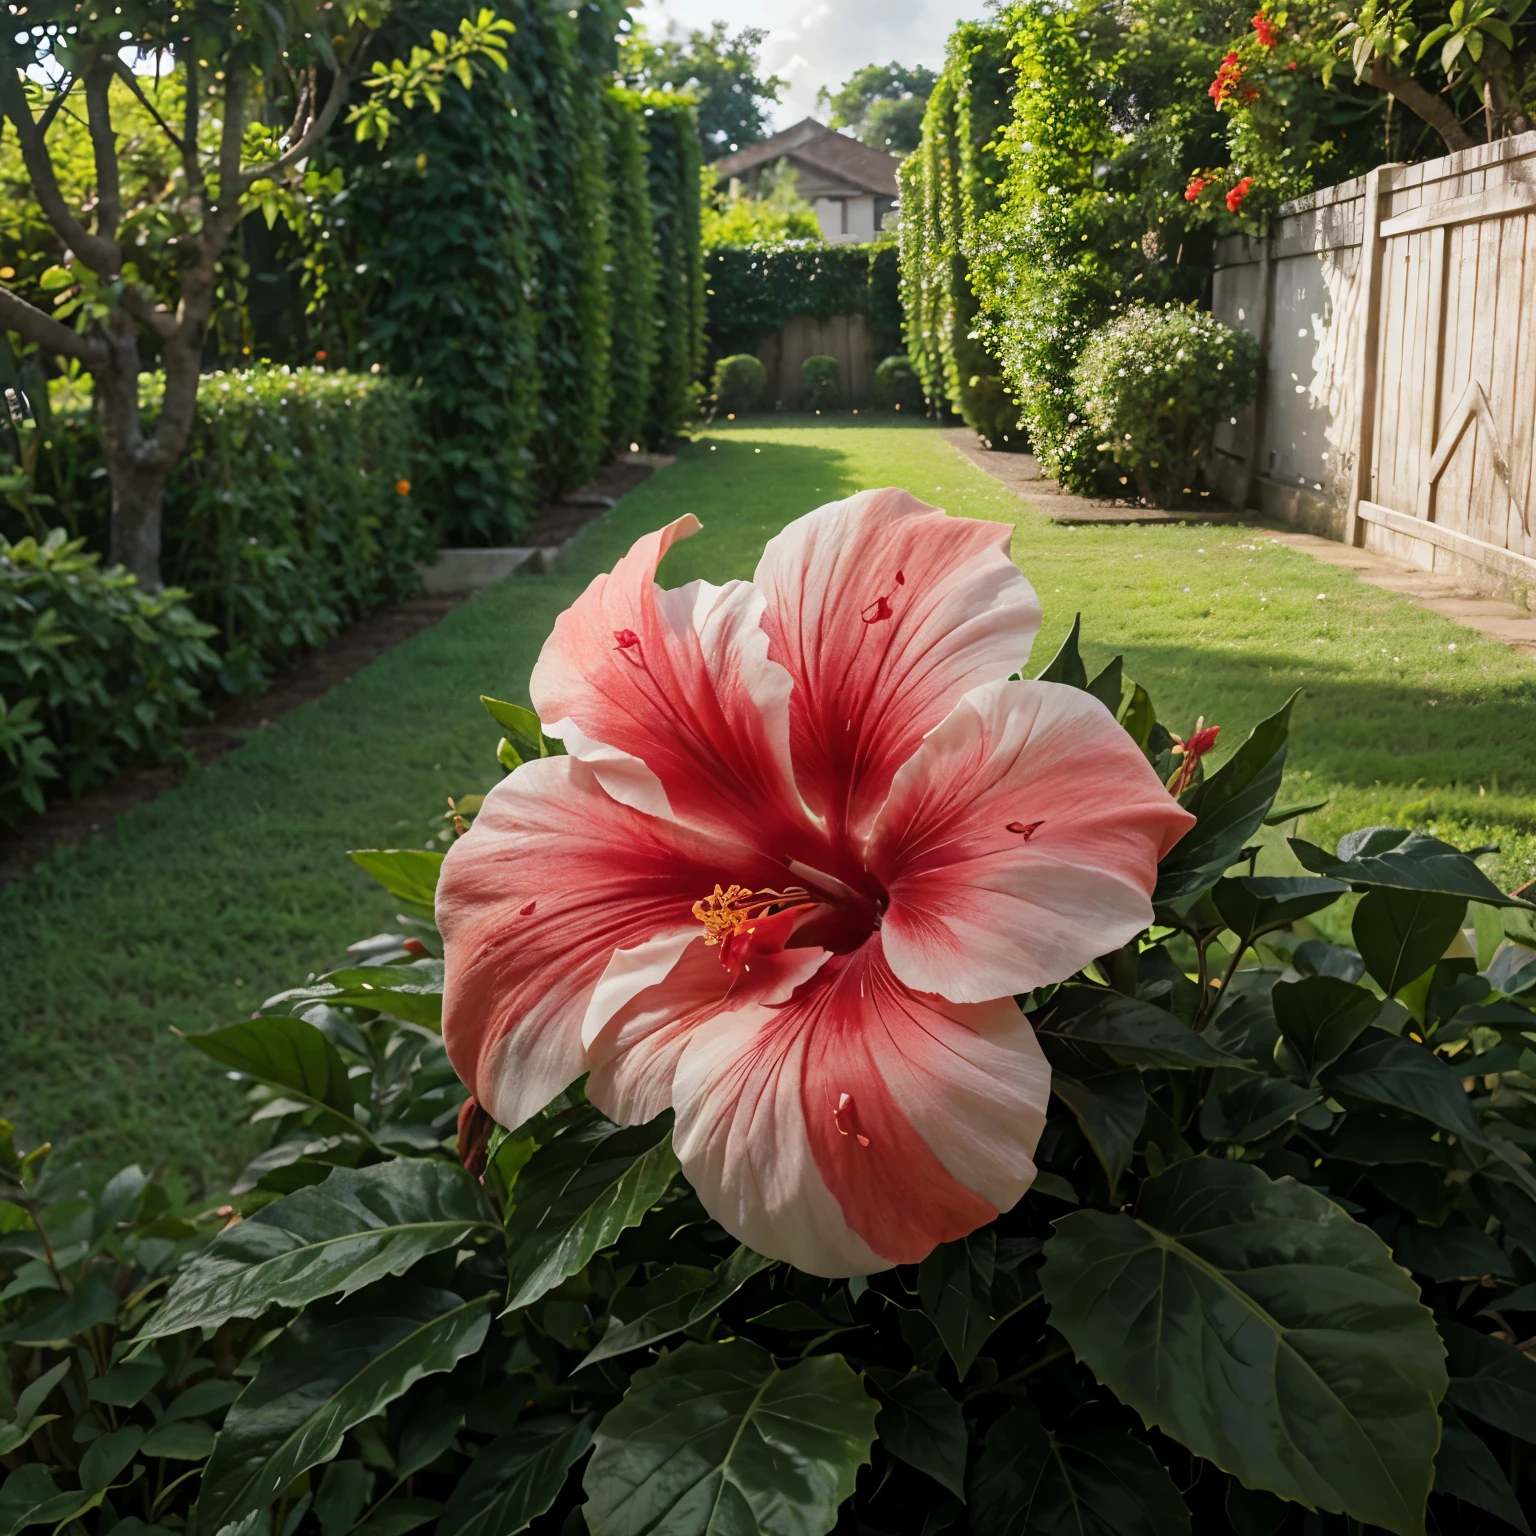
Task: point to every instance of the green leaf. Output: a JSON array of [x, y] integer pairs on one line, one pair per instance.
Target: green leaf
[[1108, 686], [524, 735], [1320, 1017], [1067, 664], [337, 1365], [1081, 1480], [23, 1493], [107, 1455], [288, 1054], [1396, 859], [183, 1440], [955, 1285], [92, 1303], [1467, 1470], [1492, 1381], [577, 1193], [1282, 814], [1138, 716], [33, 1397], [398, 1516], [1229, 806], [673, 1301], [127, 1382], [1111, 1108], [1261, 1327], [1389, 1069], [332, 1238], [1246, 1109], [1253, 904], [1401, 934], [516, 1477], [412, 992], [715, 1440], [1451, 1253], [921, 1424], [1132, 1032], [345, 1491], [408, 874]]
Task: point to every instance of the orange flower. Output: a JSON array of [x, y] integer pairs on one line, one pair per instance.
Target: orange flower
[[403, 487], [1197, 185], [1238, 193], [1266, 30], [320, 356], [1226, 81]]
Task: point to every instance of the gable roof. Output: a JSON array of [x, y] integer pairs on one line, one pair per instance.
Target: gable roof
[[810, 145]]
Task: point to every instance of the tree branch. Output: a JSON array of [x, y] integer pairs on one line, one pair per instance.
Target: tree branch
[[1385, 76], [191, 167], [33, 325], [151, 316], [318, 127], [131, 80], [98, 254], [60, 96], [98, 112]]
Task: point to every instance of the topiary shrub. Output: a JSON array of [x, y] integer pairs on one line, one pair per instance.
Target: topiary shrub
[[1153, 384], [821, 384], [739, 383], [897, 386]]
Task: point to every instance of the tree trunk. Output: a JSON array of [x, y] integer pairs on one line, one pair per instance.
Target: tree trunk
[[1422, 103], [137, 496], [136, 472]]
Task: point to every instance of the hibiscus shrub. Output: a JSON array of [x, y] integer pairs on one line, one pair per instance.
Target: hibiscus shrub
[[1277, 1258]]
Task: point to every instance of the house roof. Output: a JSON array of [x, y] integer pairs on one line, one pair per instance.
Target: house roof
[[836, 163]]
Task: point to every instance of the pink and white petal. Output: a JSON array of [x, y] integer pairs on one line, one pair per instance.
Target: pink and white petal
[[670, 695], [885, 611], [859, 1119], [634, 1050], [1019, 842], [553, 877]]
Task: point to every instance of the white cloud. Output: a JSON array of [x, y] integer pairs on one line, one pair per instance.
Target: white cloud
[[812, 43]]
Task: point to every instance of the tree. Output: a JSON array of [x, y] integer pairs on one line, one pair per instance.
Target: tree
[[774, 214], [1467, 70], [721, 73], [883, 104], [242, 96]]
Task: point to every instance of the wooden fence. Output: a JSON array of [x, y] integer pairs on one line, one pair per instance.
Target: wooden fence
[[1397, 318], [848, 338]]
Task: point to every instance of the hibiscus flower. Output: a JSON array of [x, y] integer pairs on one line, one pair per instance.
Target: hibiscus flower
[[807, 845]]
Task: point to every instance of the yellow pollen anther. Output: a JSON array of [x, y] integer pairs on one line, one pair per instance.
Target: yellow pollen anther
[[726, 912]]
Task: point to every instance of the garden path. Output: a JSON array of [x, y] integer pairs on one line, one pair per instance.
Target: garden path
[[235, 885]]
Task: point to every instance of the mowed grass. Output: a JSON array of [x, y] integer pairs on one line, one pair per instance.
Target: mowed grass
[[236, 884]]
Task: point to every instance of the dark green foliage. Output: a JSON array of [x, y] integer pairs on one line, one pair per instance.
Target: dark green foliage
[[1286, 1307], [93, 671], [673, 150], [292, 513], [739, 383], [632, 278], [883, 104], [897, 386], [1154, 384], [754, 289], [948, 186], [821, 386]]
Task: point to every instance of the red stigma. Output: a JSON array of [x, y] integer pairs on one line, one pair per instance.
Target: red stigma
[[528, 910], [873, 613], [627, 639], [1026, 830]]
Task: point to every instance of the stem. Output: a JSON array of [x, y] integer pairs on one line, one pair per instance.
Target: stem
[[1009, 1382]]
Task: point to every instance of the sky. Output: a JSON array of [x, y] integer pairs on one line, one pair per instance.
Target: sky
[[812, 43]]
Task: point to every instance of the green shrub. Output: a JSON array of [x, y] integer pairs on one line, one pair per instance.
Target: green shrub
[[754, 289], [430, 1327], [632, 280], [739, 383], [94, 672], [1154, 383], [821, 385], [897, 386], [291, 514]]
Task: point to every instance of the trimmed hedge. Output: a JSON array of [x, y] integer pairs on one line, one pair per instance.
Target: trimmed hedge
[[754, 289], [291, 515], [632, 278], [94, 672], [947, 186]]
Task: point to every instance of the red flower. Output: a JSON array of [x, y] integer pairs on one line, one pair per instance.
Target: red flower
[[1238, 193], [1197, 185], [1291, 65], [1201, 740], [1266, 30], [1225, 84]]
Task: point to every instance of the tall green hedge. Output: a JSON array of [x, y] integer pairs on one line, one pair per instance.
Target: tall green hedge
[[529, 258], [947, 187], [753, 289], [672, 139]]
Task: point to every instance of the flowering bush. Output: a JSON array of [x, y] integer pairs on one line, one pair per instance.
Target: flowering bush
[[1154, 383], [1279, 1235]]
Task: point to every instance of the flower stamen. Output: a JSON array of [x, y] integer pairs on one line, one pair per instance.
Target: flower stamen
[[873, 613], [845, 1107], [1201, 740], [725, 913]]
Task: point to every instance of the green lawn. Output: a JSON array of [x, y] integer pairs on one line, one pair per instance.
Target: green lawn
[[236, 884]]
